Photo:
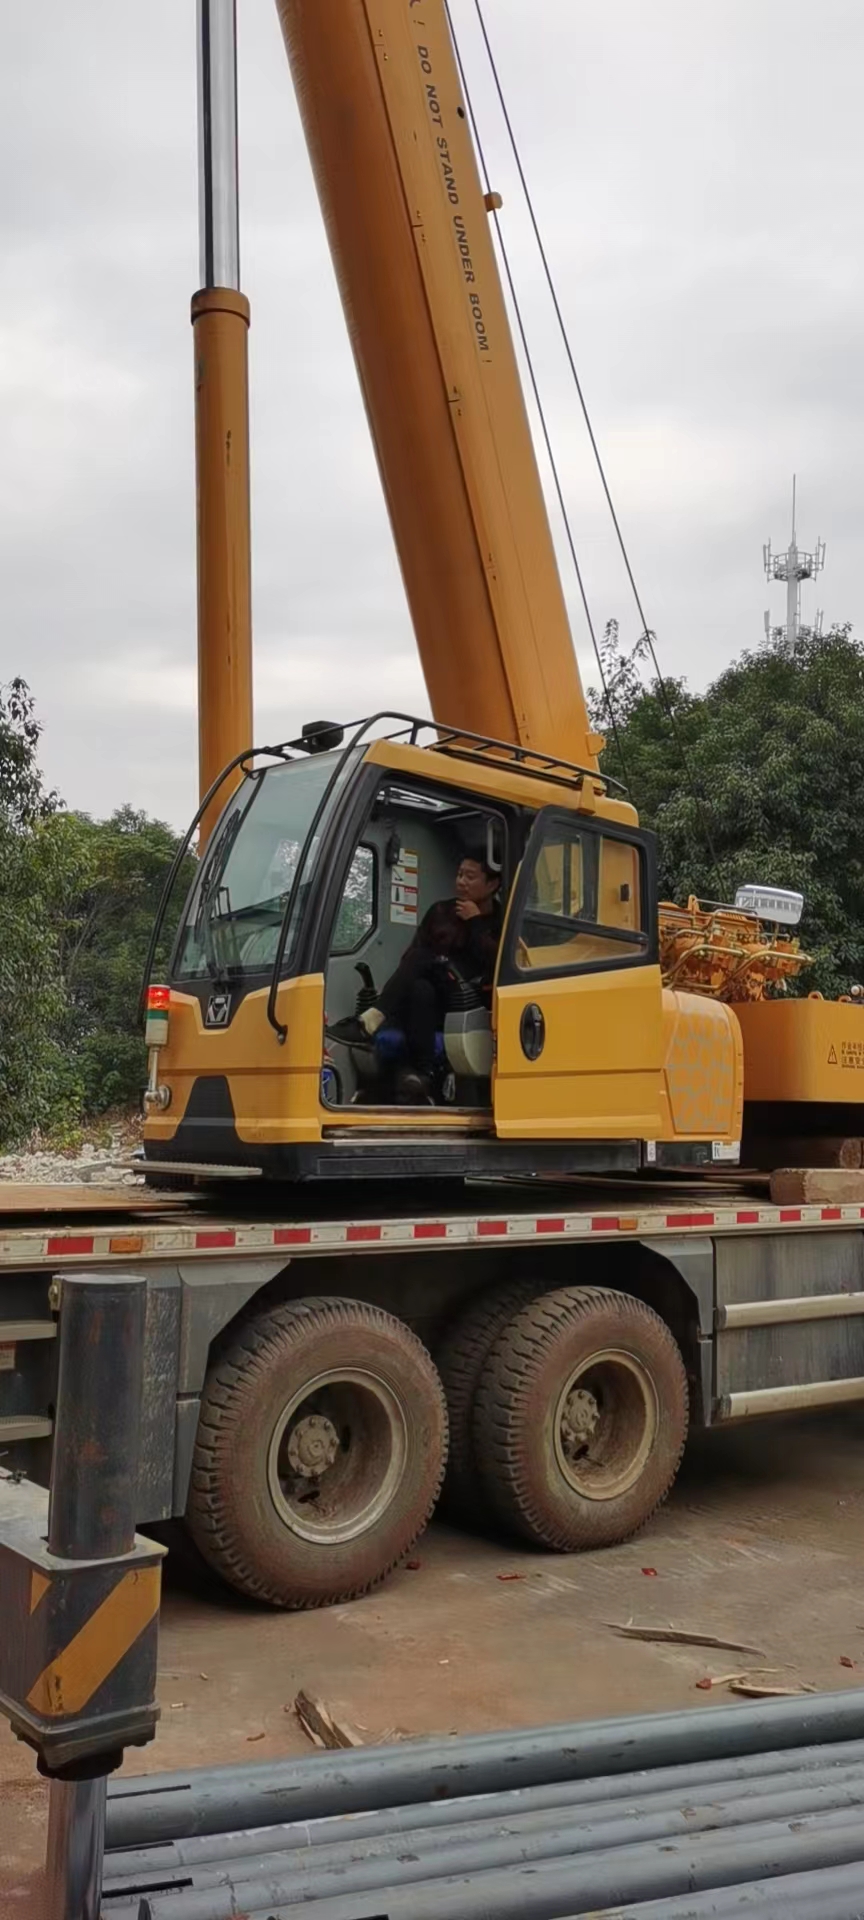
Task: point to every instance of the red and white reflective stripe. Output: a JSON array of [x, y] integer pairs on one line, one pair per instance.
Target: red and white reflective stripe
[[131, 1240]]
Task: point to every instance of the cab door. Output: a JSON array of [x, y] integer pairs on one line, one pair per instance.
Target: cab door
[[578, 995]]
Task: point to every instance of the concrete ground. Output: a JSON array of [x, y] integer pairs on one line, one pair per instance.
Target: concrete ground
[[761, 1543]]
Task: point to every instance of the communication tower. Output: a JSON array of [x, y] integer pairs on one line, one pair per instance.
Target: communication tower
[[791, 568]]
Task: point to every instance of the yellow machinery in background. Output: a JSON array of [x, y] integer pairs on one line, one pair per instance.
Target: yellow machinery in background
[[621, 1034]]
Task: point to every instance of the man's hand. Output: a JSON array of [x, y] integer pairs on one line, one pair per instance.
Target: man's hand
[[467, 909]]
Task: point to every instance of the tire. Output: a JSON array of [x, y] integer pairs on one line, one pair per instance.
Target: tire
[[460, 1359], [321, 1447], [580, 1419]]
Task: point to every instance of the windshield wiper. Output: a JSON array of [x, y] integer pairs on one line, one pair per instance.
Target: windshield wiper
[[272, 908]]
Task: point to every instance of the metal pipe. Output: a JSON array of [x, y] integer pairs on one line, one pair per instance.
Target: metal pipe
[[832, 1893], [91, 1511], [91, 1516], [220, 320], [391, 1864], [174, 1806], [544, 1890], [76, 1840], [611, 1823], [770, 1772], [218, 195]]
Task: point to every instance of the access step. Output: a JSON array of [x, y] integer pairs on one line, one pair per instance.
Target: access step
[[11, 1331], [24, 1426]]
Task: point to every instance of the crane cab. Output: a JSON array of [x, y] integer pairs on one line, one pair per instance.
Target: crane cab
[[563, 1053]]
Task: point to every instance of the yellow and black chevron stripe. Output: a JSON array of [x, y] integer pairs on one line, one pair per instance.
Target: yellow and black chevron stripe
[[82, 1641]]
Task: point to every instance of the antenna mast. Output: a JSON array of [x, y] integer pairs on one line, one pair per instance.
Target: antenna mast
[[791, 568]]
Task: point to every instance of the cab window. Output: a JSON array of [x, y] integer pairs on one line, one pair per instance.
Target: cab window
[[584, 902], [355, 920]]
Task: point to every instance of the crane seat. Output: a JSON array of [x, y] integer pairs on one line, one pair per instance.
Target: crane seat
[[390, 1047], [463, 1053], [465, 1046]]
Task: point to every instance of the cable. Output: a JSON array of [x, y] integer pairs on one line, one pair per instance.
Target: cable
[[539, 403], [646, 630]]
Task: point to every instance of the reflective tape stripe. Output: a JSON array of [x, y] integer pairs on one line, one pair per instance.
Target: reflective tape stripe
[[39, 1584], [75, 1674], [181, 1242]]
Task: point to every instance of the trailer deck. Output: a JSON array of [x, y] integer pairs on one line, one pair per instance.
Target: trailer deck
[[112, 1225]]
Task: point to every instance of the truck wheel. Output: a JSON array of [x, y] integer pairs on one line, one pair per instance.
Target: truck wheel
[[321, 1446], [460, 1360], [581, 1418]]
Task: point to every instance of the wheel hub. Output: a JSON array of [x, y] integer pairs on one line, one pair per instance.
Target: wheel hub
[[579, 1421], [337, 1455], [313, 1446], [605, 1424]]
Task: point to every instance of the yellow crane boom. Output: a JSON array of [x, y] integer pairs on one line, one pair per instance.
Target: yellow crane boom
[[386, 124]]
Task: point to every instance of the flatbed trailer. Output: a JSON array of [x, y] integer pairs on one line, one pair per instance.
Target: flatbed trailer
[[301, 1365]]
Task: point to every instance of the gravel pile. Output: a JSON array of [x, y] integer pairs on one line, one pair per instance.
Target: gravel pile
[[89, 1165]]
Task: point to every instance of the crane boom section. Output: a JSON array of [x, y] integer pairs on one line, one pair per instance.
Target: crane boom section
[[388, 135]]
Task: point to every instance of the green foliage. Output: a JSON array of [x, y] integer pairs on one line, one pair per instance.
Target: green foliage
[[106, 879], [775, 749], [23, 800], [77, 903], [35, 1079]]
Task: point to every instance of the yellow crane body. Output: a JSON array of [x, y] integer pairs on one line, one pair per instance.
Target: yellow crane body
[[624, 1059], [616, 1034]]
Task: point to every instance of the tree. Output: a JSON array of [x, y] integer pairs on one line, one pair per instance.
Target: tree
[[23, 799], [773, 784], [105, 880], [77, 904], [34, 1076]]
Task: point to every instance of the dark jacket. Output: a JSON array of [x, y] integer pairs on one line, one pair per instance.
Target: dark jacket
[[472, 944]]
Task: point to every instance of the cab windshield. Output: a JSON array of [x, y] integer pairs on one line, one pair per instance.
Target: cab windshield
[[235, 912]]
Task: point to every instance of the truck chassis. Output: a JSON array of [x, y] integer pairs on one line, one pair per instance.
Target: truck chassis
[[301, 1373]]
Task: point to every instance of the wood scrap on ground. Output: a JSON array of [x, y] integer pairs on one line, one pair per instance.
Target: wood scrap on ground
[[679, 1637], [761, 1683], [321, 1725], [750, 1685]]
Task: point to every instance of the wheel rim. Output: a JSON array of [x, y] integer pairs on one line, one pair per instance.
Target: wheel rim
[[337, 1455], [605, 1424]]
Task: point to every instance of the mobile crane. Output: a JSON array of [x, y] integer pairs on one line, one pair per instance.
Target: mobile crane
[[317, 1356], [620, 1034]]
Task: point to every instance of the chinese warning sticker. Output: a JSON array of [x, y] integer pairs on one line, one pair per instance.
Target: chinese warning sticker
[[851, 1055], [404, 890]]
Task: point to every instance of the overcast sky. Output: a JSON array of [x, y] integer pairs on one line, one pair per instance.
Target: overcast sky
[[698, 167]]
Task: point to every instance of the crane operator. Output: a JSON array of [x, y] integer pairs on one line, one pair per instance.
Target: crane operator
[[466, 930]]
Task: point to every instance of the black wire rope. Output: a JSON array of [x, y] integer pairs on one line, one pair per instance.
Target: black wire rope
[[647, 633], [541, 411]]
